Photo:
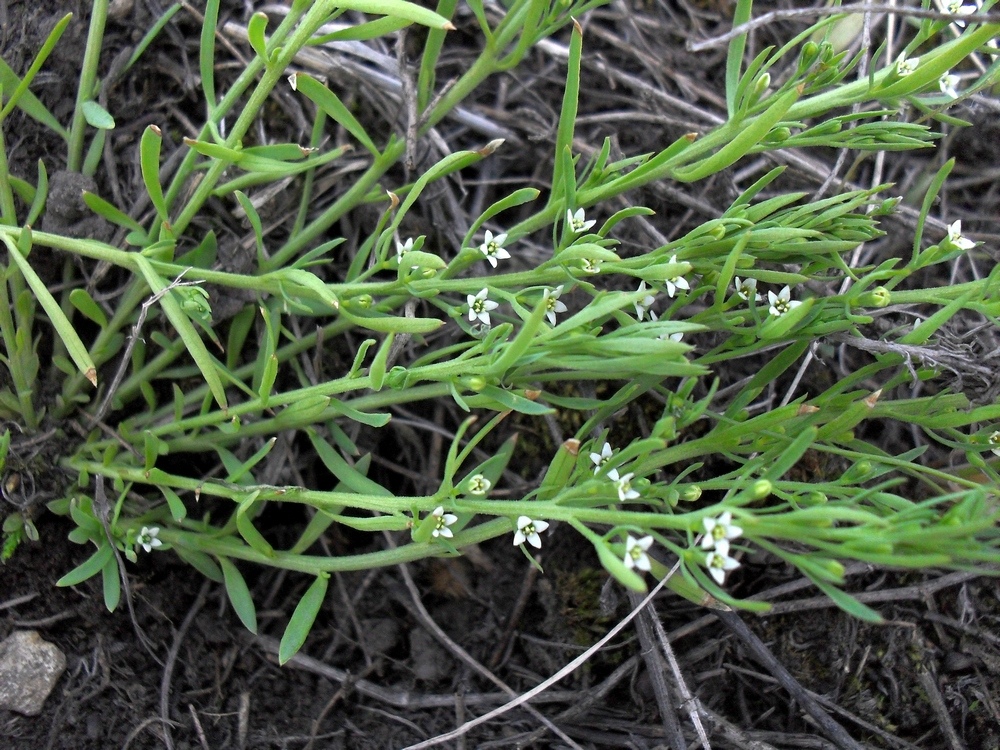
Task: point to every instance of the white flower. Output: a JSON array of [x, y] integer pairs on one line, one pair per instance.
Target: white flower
[[404, 247], [528, 530], [600, 461], [553, 305], [480, 306], [905, 66], [578, 221], [718, 532], [479, 485], [590, 266], [781, 302], [955, 237], [635, 552], [671, 336], [994, 441], [147, 538], [677, 282], [719, 561], [493, 249], [958, 8], [624, 486], [643, 306], [746, 289], [442, 521], [947, 84]]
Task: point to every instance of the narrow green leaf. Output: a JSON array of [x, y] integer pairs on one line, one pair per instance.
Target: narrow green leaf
[[376, 372], [255, 33], [74, 346], [97, 116], [149, 164], [150, 35], [206, 56], [177, 509], [89, 568], [192, 341], [201, 562], [734, 59], [344, 472], [101, 207], [41, 194], [249, 532], [21, 87], [112, 584], [82, 301], [327, 101], [239, 595], [254, 218], [303, 618], [399, 9], [567, 118], [29, 103]]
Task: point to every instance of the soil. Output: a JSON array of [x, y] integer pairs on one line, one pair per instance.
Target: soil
[[178, 670]]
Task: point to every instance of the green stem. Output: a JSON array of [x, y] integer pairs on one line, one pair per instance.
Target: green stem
[[8, 213], [88, 82]]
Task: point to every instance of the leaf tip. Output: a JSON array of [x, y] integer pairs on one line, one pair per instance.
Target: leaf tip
[[91, 375]]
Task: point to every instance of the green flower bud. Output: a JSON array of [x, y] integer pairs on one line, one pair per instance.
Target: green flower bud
[[877, 297], [718, 231], [761, 489], [362, 301], [810, 51], [887, 206], [812, 498], [691, 493], [778, 135], [761, 84]]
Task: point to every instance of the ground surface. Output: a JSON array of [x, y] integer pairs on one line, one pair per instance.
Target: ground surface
[[930, 678]]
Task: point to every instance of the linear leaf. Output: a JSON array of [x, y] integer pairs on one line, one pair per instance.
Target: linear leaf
[[303, 618]]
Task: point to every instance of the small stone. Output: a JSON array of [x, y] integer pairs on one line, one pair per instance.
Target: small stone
[[29, 669]]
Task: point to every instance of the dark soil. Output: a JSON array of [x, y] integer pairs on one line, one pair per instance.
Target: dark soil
[[373, 672]]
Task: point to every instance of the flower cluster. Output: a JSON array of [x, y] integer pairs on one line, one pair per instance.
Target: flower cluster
[[718, 533]]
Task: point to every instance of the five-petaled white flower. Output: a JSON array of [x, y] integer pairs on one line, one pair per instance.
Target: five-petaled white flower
[[578, 222], [719, 561], [480, 306], [147, 538], [624, 487], [553, 305], [718, 532], [479, 485], [781, 302], [528, 530], [635, 552], [590, 266], [442, 521], [746, 289], [955, 237], [642, 306], [601, 460], [994, 441], [404, 247], [493, 249], [948, 83], [958, 8], [677, 282], [906, 65]]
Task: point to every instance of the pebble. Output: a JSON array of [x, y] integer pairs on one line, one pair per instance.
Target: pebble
[[29, 669]]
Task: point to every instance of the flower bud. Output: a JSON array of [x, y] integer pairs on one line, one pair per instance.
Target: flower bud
[[761, 84], [691, 493], [877, 297], [718, 231], [761, 489], [810, 51]]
